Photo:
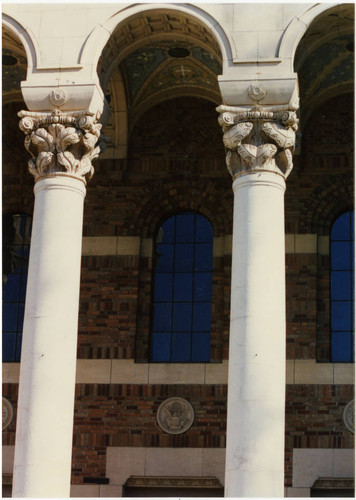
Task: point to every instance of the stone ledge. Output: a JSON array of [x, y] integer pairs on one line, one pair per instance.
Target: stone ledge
[[173, 482], [126, 371], [134, 245]]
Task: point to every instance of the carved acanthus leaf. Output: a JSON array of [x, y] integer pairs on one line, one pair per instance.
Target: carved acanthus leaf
[[43, 140], [61, 142], [45, 161], [68, 161]]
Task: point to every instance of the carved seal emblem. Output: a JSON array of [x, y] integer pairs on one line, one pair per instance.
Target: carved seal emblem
[[349, 416], [257, 92], [175, 415], [57, 97], [7, 413]]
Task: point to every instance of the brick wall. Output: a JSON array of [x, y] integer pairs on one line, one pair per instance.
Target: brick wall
[[108, 307], [125, 415], [301, 286], [314, 419]]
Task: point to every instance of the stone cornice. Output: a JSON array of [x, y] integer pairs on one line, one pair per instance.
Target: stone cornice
[[173, 482], [62, 142]]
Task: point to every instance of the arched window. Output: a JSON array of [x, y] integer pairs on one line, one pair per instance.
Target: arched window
[[181, 318], [16, 248], [342, 288]]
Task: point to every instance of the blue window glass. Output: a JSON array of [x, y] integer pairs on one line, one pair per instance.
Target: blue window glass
[[16, 247], [184, 256], [342, 288], [182, 290]]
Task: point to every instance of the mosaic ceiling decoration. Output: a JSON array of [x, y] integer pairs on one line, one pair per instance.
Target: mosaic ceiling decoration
[[324, 59], [171, 66], [148, 28], [333, 63]]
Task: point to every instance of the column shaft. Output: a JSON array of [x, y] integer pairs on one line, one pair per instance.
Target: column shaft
[[256, 384], [48, 360]]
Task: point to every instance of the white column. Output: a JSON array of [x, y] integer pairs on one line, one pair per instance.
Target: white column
[[260, 143], [256, 383], [62, 146], [48, 361]]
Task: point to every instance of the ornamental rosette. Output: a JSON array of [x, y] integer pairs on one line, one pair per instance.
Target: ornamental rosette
[[62, 142], [256, 138]]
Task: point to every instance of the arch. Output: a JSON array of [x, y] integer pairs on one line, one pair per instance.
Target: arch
[[321, 98], [117, 129], [297, 28], [198, 194], [98, 38], [325, 204], [26, 38]]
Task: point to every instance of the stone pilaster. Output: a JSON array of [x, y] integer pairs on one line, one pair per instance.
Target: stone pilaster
[[63, 146], [259, 145]]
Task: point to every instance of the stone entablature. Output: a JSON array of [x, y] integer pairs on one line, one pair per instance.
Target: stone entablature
[[62, 142]]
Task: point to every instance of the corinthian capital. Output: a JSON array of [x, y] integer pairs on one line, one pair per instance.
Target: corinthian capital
[[258, 139], [61, 142]]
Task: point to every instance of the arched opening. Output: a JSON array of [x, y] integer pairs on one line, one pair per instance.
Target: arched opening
[[14, 66], [155, 56], [324, 59], [182, 290]]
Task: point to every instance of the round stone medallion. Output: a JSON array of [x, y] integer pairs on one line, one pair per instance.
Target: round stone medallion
[[175, 415], [7, 413], [257, 92], [349, 416], [57, 97]]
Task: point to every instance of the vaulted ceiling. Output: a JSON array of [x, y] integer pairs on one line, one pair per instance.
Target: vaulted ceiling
[[324, 59], [14, 66]]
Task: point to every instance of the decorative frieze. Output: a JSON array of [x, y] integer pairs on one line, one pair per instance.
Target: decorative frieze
[[62, 142], [258, 139]]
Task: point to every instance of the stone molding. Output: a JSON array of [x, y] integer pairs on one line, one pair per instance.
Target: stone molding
[[259, 139], [126, 371], [65, 143], [330, 483], [173, 482], [136, 246]]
